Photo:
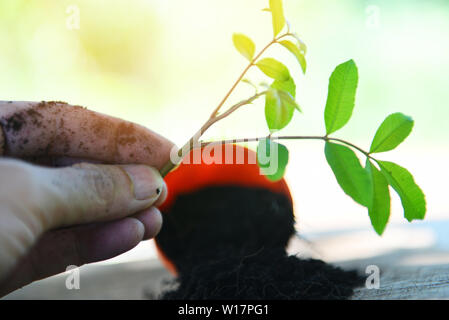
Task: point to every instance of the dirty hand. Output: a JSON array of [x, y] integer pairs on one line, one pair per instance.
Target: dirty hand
[[66, 211]]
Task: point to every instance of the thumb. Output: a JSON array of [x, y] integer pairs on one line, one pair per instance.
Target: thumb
[[36, 199], [91, 193]]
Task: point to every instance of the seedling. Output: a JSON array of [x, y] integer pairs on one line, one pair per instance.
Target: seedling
[[367, 185]]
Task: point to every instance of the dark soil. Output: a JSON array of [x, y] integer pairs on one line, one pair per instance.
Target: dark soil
[[229, 243]]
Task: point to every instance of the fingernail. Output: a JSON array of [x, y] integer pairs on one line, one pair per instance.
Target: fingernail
[[147, 182], [163, 195]]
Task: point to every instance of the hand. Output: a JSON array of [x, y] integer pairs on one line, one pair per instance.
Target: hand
[[72, 213]]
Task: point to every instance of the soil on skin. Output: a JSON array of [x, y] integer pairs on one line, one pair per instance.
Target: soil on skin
[[49, 119], [229, 243], [34, 118]]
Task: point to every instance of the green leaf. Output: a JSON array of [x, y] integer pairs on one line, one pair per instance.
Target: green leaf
[[278, 111], [277, 12], [302, 45], [287, 91], [287, 85], [293, 48], [379, 211], [244, 45], [286, 98], [350, 175], [412, 197], [341, 96], [247, 81], [395, 128], [274, 69], [272, 159]]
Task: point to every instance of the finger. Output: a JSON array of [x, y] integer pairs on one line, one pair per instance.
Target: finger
[[57, 250], [37, 199], [33, 129], [2, 142], [104, 192], [80, 194], [151, 220], [162, 196], [58, 162]]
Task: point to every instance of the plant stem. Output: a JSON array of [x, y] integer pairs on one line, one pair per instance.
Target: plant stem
[[195, 138], [238, 105], [214, 117], [324, 138], [252, 63]]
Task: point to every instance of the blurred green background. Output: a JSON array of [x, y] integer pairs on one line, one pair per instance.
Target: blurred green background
[[167, 63]]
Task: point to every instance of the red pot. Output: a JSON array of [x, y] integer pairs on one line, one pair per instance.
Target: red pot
[[191, 176]]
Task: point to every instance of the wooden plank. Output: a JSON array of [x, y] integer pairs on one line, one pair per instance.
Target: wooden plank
[[145, 280]]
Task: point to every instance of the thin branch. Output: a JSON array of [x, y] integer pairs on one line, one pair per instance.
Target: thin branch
[[252, 63], [217, 109], [238, 105], [213, 117], [351, 145], [242, 140], [324, 138], [195, 138]]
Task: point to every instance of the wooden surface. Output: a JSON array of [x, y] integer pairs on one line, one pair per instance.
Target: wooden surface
[[397, 281], [405, 274]]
